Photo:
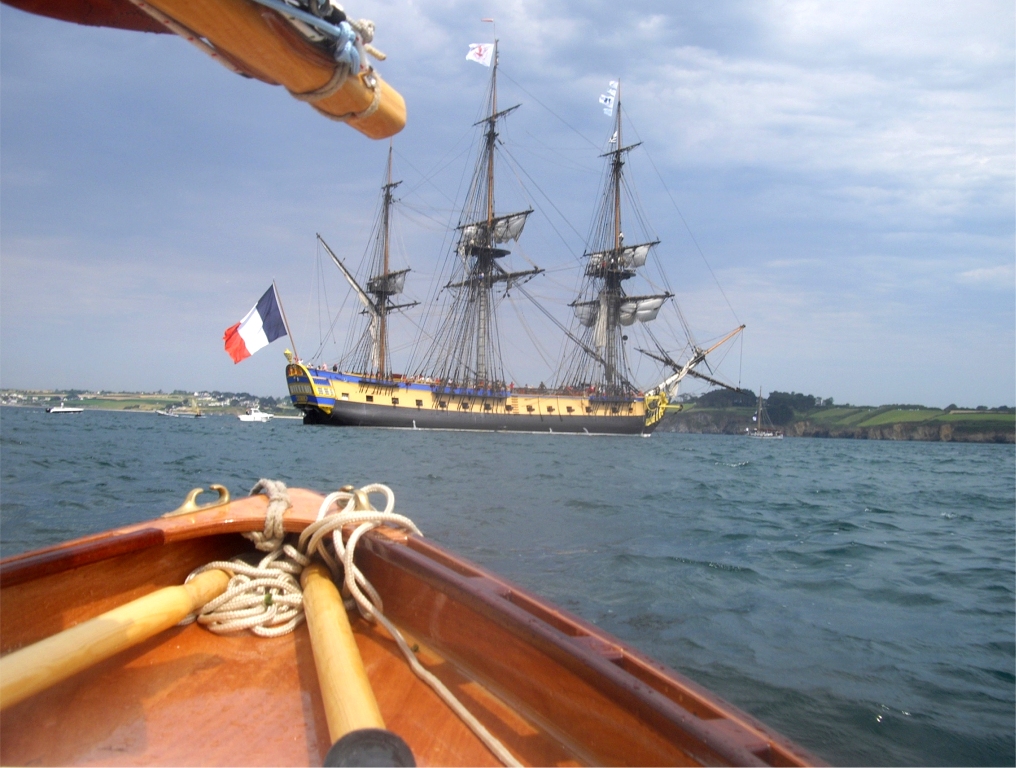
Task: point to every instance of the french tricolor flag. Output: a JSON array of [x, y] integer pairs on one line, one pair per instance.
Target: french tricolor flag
[[259, 328]]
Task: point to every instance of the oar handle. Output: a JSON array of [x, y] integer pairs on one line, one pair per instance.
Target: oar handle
[[41, 665], [354, 720], [348, 698]]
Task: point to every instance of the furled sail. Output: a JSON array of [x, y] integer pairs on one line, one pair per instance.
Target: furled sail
[[628, 257], [641, 308], [632, 308], [390, 284], [503, 229], [586, 311]]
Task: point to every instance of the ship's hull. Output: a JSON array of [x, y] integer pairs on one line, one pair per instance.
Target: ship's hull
[[346, 400], [367, 415]]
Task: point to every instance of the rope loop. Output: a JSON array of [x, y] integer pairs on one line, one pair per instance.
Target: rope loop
[[327, 528], [337, 80], [278, 503], [266, 598]]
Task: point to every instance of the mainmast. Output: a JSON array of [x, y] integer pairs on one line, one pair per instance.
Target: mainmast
[[484, 295], [491, 137], [466, 350]]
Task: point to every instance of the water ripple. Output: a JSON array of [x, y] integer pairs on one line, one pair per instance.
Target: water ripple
[[856, 595]]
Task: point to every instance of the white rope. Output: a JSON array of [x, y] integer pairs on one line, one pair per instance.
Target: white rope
[[278, 503], [371, 607], [338, 79], [264, 598], [267, 600]]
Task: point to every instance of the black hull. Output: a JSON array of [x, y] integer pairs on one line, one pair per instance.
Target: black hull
[[346, 414]]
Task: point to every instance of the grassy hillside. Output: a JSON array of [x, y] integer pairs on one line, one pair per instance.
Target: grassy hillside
[[819, 418]]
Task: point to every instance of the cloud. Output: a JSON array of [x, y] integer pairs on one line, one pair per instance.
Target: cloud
[[1000, 277], [845, 168]]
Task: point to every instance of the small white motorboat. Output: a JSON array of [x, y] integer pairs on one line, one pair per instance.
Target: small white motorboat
[[255, 414]]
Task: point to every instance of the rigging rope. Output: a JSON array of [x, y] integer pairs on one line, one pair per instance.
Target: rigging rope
[[267, 599]]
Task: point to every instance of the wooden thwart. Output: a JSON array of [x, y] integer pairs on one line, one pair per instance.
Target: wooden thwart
[[41, 665]]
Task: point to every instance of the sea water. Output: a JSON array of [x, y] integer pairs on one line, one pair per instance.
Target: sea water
[[856, 596]]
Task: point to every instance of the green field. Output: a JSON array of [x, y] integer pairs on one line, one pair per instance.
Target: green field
[[909, 422]]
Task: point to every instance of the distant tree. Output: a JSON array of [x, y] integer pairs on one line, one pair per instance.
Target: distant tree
[[780, 413], [951, 407], [726, 398], [828, 402], [982, 408], [794, 400]]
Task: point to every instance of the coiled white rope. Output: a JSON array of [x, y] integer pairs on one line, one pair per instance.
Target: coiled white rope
[[264, 598], [267, 600]]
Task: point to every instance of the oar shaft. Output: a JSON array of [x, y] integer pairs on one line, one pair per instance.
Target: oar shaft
[[348, 698], [39, 666]]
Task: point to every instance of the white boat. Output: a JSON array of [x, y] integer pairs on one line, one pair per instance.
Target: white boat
[[178, 414], [62, 408], [255, 414]]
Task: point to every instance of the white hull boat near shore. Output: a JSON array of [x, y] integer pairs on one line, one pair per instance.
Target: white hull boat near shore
[[255, 414], [62, 408]]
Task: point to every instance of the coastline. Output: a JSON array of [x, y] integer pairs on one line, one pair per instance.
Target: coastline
[[885, 423]]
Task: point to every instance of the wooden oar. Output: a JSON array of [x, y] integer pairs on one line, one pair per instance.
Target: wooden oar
[[355, 724], [39, 666]]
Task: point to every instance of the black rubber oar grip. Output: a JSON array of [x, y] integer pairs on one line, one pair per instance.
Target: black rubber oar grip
[[370, 747]]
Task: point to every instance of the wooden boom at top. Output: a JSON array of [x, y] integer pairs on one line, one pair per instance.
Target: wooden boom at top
[[253, 40]]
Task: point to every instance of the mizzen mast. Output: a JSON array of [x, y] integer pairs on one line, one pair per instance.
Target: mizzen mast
[[372, 355], [380, 285]]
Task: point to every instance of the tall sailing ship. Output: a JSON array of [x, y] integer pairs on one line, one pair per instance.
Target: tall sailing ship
[[460, 381]]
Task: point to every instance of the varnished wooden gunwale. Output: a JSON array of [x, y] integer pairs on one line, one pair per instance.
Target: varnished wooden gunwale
[[556, 689], [696, 726], [60, 558]]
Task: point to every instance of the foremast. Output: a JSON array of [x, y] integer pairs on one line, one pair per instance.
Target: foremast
[[372, 353], [466, 351]]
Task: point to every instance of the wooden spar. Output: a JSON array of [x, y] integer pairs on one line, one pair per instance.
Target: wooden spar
[[348, 699], [43, 664], [725, 339], [265, 43]]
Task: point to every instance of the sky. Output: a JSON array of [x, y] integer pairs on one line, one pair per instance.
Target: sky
[[839, 177]]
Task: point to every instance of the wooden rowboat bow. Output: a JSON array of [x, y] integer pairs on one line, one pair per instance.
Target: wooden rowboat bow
[[550, 688]]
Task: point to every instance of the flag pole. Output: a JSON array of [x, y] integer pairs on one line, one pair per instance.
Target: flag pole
[[285, 322]]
